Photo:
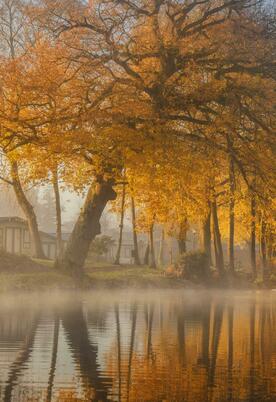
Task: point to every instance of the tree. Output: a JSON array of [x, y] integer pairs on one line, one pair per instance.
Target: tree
[[198, 91]]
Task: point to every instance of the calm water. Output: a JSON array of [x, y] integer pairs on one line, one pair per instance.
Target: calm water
[[145, 346]]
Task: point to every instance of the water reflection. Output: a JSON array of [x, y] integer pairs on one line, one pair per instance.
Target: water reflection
[[163, 346]]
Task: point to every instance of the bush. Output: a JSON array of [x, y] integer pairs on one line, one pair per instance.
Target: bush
[[101, 244], [194, 266]]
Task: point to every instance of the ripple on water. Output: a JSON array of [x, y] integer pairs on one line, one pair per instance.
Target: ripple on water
[[158, 346]]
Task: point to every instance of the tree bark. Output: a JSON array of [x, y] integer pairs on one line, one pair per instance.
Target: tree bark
[[118, 254], [182, 237], [231, 216], [152, 252], [253, 237], [87, 226], [135, 240], [59, 243], [29, 213], [217, 239]]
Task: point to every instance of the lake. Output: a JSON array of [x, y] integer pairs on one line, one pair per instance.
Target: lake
[[168, 345]]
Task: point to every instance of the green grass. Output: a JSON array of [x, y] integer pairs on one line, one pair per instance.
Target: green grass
[[46, 263], [43, 276], [34, 281], [130, 276], [96, 276]]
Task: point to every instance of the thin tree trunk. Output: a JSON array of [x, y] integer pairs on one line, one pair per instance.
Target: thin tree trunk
[[231, 216], [217, 239], [87, 226], [146, 256], [206, 231], [59, 243], [264, 249], [135, 240], [29, 213], [118, 255], [161, 249], [152, 252], [269, 241], [253, 237], [182, 237], [215, 248]]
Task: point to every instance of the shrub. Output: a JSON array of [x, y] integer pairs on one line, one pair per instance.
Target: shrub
[[101, 244], [194, 266]]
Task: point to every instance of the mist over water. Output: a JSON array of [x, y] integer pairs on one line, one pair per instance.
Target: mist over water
[[145, 346]]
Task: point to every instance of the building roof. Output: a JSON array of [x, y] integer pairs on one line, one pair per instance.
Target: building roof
[[15, 219]]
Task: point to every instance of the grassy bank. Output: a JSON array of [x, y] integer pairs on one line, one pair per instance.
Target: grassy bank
[[20, 273], [132, 276]]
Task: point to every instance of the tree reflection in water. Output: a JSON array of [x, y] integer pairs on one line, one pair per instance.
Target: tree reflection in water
[[160, 347]]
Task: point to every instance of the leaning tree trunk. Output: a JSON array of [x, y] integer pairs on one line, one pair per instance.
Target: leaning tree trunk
[[253, 237], [152, 252], [87, 226], [29, 213], [182, 237], [217, 239], [118, 254], [231, 216], [135, 240], [58, 215]]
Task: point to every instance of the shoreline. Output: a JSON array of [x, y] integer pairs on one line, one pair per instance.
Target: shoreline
[[49, 279], [24, 274]]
